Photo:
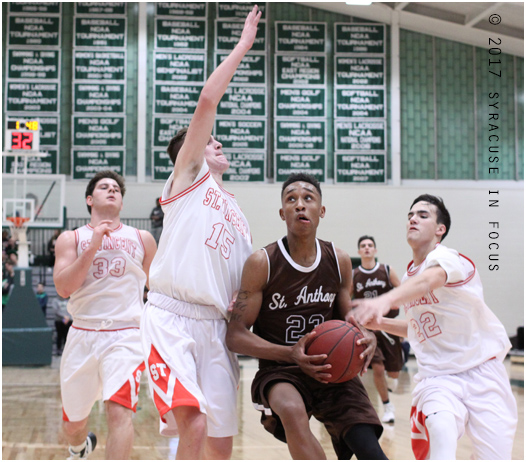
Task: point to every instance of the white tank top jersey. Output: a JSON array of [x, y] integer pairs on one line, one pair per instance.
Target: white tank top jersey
[[204, 245], [451, 329], [111, 295]]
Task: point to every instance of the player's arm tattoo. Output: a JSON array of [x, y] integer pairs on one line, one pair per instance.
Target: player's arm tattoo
[[239, 306]]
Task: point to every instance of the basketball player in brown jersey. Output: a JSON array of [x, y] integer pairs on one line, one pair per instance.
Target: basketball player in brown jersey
[[372, 279], [287, 289]]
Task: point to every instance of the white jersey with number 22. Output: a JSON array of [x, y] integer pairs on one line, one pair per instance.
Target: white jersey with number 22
[[451, 329]]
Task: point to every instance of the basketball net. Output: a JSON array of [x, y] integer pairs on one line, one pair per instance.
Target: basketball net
[[18, 229]]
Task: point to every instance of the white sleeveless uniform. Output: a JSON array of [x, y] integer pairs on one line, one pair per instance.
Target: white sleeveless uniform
[[205, 243], [103, 356], [196, 270], [114, 286], [459, 346]]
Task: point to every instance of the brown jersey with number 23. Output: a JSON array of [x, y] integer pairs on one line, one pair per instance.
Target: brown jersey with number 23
[[296, 299]]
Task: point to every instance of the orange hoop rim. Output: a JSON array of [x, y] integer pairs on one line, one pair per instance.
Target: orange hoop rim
[[18, 222]]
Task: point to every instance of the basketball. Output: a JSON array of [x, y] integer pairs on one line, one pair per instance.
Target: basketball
[[337, 339]]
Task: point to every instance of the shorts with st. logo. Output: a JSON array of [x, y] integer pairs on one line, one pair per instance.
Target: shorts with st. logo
[[103, 364], [482, 402], [188, 364]]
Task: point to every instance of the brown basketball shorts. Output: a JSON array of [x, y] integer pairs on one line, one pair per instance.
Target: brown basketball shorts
[[388, 351], [338, 406]]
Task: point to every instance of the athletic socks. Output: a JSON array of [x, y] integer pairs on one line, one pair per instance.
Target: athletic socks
[[82, 451]]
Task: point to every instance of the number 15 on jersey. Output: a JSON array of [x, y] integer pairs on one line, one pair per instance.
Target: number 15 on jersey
[[221, 236]]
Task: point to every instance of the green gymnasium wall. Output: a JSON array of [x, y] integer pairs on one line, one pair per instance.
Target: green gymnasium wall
[[444, 98], [449, 82], [417, 106]]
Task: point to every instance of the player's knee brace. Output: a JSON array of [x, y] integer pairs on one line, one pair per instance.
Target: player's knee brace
[[363, 442], [443, 435]]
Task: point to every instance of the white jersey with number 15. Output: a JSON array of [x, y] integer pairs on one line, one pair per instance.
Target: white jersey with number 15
[[204, 244]]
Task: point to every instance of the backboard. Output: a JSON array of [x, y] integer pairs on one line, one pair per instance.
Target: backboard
[[38, 197]]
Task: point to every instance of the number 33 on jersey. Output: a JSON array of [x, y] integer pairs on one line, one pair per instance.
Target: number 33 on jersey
[[117, 268]]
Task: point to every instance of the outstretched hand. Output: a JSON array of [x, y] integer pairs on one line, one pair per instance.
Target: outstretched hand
[[370, 310], [251, 28], [310, 364]]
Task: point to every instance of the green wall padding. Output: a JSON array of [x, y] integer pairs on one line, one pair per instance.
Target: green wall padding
[[417, 106]]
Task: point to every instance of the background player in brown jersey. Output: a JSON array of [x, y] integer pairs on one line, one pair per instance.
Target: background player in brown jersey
[[372, 279], [287, 289]]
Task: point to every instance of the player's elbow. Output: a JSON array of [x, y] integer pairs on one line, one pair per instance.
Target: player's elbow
[[233, 337], [61, 287], [208, 99], [63, 293], [230, 339]]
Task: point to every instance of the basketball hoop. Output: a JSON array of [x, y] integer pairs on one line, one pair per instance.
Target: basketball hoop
[[18, 222], [18, 228]]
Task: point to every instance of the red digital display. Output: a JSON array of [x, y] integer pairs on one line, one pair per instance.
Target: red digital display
[[22, 140]]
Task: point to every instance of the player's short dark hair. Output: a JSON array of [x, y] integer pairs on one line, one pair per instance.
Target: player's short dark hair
[[176, 143], [363, 238], [443, 216], [293, 177], [99, 176]]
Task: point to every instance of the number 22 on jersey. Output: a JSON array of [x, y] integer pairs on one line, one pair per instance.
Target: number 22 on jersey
[[427, 326]]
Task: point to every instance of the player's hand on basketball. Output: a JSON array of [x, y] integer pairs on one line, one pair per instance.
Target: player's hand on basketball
[[369, 340], [251, 28], [310, 364]]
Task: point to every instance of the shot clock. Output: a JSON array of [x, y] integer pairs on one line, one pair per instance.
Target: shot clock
[[22, 135]]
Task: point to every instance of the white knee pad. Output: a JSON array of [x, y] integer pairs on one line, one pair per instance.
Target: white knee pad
[[443, 435]]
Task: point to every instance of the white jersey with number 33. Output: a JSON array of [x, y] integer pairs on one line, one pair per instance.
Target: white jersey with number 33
[[114, 286], [451, 329], [204, 244]]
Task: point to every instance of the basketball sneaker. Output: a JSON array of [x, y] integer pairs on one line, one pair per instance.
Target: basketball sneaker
[[389, 416], [392, 384], [91, 443]]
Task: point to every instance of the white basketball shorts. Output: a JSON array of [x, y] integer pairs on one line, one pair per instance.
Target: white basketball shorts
[[188, 364], [100, 364], [482, 402]]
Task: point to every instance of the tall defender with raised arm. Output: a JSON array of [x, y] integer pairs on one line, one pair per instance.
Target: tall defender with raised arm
[[193, 377]]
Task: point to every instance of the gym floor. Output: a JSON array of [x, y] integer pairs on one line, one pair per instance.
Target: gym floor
[[31, 419]]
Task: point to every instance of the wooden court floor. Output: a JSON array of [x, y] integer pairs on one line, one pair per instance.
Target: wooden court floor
[[31, 420]]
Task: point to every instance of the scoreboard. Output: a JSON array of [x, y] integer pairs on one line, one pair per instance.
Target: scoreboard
[[22, 135]]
